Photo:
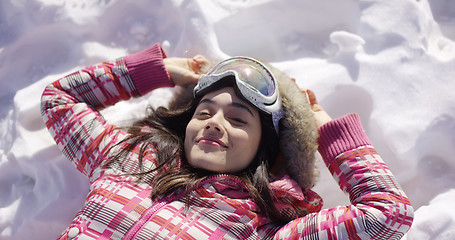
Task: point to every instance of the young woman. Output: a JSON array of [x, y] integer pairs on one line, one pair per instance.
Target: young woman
[[234, 159]]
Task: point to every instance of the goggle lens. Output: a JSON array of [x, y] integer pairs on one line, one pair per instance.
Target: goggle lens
[[252, 73]]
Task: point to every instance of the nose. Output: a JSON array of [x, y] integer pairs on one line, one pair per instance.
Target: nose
[[212, 126], [215, 123]]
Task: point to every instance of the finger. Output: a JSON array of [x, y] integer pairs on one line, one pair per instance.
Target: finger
[[199, 58], [312, 97], [313, 101], [198, 63]]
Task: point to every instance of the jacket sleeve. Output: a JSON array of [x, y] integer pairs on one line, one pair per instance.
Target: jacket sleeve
[[380, 208], [70, 105]]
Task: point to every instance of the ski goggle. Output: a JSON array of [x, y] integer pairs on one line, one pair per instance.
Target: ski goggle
[[252, 79]]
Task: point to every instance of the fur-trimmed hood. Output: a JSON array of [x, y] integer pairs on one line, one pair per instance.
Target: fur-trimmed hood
[[298, 132], [297, 135]]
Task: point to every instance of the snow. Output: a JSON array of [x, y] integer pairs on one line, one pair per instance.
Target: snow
[[392, 62]]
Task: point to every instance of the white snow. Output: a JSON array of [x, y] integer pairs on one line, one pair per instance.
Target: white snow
[[392, 62]]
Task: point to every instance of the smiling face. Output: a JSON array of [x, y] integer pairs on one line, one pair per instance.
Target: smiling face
[[224, 133]]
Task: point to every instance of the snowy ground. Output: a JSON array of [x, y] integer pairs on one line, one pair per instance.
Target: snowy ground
[[393, 62]]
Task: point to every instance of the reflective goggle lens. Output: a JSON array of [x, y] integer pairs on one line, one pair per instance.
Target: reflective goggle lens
[[250, 72]]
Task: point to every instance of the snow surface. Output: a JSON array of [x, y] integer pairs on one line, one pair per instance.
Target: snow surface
[[392, 62]]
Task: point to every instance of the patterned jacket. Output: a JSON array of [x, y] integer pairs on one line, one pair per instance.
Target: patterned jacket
[[118, 207]]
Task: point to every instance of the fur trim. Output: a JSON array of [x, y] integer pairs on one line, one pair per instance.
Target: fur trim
[[298, 131]]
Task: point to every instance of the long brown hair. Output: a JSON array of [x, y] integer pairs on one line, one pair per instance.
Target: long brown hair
[[164, 129]]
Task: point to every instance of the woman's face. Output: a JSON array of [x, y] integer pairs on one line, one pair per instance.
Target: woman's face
[[224, 133]]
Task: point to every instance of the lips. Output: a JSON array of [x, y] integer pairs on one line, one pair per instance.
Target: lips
[[209, 140]]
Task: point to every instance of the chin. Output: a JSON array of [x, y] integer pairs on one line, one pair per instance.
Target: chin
[[206, 164]]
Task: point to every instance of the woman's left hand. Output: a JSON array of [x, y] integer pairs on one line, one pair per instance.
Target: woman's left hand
[[183, 71], [320, 115]]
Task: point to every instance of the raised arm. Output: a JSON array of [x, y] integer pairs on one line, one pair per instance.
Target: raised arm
[[70, 105], [379, 208]]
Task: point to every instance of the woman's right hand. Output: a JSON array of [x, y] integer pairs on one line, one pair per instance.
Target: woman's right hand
[[184, 71]]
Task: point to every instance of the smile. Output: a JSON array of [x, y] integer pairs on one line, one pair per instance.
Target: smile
[[208, 140]]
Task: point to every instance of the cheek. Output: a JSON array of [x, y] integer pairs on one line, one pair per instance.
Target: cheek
[[189, 134], [256, 135], [249, 140], [256, 139]]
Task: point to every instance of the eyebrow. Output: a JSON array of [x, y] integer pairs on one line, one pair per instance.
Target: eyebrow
[[234, 104]]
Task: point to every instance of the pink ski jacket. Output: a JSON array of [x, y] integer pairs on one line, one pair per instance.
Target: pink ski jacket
[[119, 207]]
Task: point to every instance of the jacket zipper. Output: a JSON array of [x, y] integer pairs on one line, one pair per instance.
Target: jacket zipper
[[150, 213], [135, 229]]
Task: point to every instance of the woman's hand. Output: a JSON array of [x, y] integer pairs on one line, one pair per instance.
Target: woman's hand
[[185, 71], [320, 114]]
